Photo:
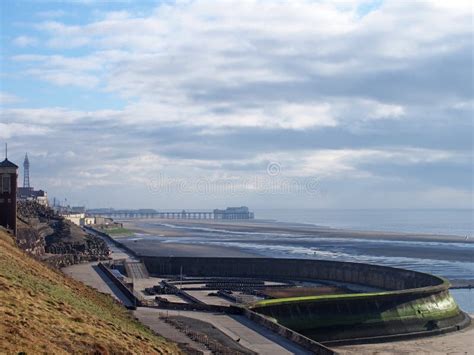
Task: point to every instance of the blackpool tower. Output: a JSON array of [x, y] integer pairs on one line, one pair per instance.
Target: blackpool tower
[[26, 172]]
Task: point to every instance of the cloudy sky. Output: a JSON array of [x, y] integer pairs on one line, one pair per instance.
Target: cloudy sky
[[203, 104]]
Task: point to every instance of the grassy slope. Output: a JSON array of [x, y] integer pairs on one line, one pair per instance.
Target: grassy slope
[[44, 311]]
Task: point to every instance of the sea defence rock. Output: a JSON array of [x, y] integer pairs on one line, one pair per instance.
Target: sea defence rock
[[35, 223], [407, 303], [46, 235]]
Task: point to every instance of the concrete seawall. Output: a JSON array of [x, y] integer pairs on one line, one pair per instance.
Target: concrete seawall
[[382, 277], [124, 289], [411, 303]]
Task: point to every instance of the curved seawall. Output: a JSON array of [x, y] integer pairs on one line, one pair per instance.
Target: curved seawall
[[411, 303]]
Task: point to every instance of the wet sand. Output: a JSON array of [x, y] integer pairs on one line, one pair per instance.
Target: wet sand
[[264, 226], [154, 248]]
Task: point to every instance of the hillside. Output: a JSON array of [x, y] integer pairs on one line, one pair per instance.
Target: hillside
[[44, 311], [59, 242]]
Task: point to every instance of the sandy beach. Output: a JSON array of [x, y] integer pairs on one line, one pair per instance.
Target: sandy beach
[[460, 342]]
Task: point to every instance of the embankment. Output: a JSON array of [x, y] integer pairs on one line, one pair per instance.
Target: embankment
[[44, 311]]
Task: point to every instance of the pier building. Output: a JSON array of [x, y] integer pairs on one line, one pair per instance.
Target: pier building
[[233, 213]]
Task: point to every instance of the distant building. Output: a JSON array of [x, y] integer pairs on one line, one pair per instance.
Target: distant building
[[89, 221], [27, 192], [77, 215], [8, 185], [94, 220], [233, 213], [76, 218]]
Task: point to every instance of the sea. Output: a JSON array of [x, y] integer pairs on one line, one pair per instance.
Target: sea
[[432, 221], [453, 260]]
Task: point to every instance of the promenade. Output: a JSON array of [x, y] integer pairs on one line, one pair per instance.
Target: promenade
[[251, 335]]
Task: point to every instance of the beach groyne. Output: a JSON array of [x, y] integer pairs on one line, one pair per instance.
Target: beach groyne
[[409, 304]]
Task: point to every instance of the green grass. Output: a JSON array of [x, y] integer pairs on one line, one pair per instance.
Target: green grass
[[288, 300], [44, 311], [117, 231]]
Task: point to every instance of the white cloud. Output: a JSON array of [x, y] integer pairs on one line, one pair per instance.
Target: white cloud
[[10, 130], [64, 71], [214, 117], [180, 57], [6, 99], [381, 110], [54, 116], [51, 13], [62, 78], [338, 163], [25, 41]]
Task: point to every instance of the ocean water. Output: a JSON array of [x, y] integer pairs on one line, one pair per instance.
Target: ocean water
[[434, 221], [464, 298]]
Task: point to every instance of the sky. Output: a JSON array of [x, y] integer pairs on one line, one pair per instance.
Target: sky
[[269, 104]]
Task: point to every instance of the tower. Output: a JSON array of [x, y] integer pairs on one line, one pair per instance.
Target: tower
[[26, 172], [8, 185]]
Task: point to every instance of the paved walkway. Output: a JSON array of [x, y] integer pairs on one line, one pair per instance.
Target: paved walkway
[[91, 275], [251, 335]]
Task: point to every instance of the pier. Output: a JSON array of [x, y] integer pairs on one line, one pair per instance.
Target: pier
[[164, 215], [230, 213]]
